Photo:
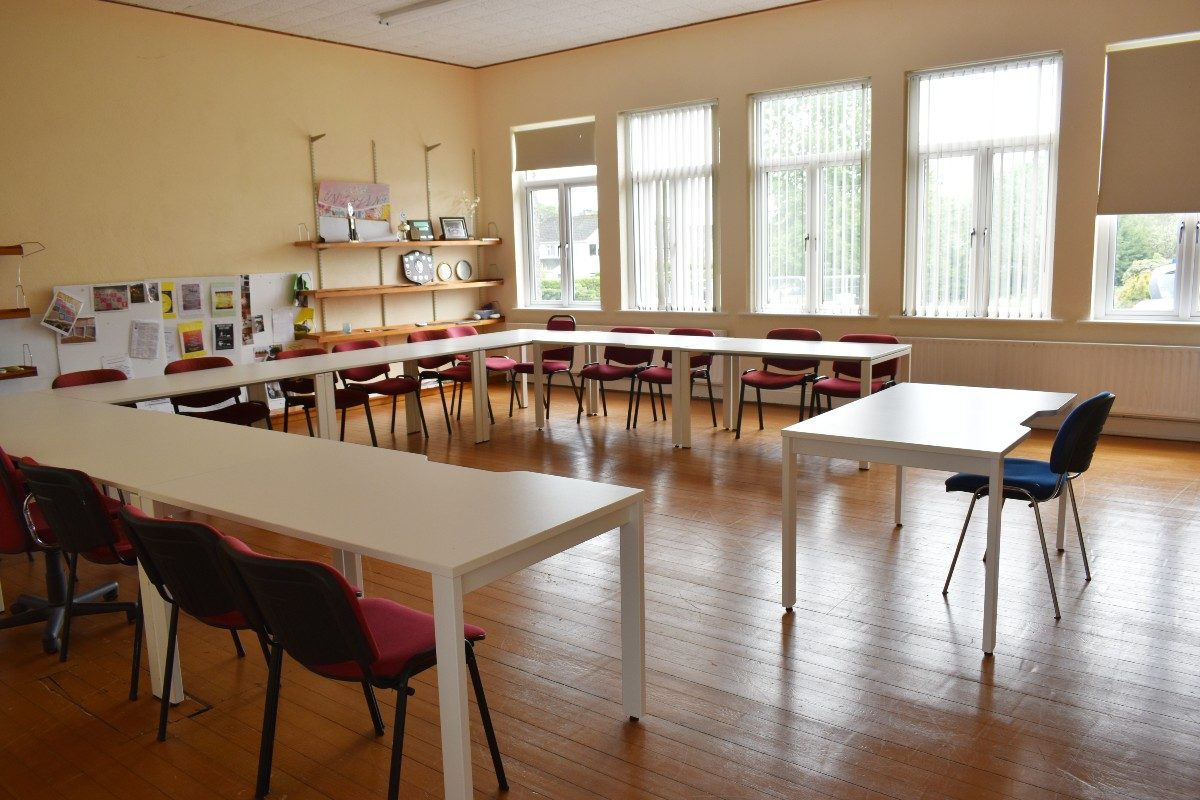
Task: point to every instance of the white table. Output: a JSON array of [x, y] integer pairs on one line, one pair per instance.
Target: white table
[[952, 428], [383, 503]]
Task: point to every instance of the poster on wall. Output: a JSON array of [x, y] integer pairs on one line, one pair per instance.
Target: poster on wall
[[222, 336], [64, 309], [137, 293], [191, 300], [110, 298], [247, 312], [168, 300], [82, 332], [152, 292], [222, 298], [191, 339], [369, 204]]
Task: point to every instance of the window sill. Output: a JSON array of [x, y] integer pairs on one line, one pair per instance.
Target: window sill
[[557, 308], [1138, 321], [816, 314], [993, 320], [671, 313]]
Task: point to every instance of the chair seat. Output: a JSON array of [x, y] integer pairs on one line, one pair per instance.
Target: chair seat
[[765, 379], [230, 619], [238, 414], [401, 634], [460, 373], [842, 387], [388, 386], [607, 372], [548, 367], [342, 398], [1030, 475]]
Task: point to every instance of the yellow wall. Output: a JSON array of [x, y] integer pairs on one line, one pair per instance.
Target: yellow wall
[[833, 40]]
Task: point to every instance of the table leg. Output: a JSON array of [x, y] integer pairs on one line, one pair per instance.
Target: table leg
[[899, 495], [681, 399], [483, 423], [733, 381], [327, 427], [523, 389], [539, 388], [1063, 499], [412, 417], [992, 568], [349, 564], [157, 616], [633, 615], [452, 686], [593, 390], [866, 370], [788, 560]]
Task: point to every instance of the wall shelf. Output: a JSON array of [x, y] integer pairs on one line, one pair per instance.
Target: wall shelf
[[386, 243], [25, 372], [14, 313], [372, 291], [12, 250], [388, 331]]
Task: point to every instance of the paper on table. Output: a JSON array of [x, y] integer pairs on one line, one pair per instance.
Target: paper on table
[[283, 322], [118, 362], [144, 336]]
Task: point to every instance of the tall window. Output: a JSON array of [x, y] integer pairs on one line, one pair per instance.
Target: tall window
[[982, 161], [811, 148], [563, 237], [669, 158], [1152, 262]]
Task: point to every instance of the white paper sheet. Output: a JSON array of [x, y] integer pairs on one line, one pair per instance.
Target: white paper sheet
[[283, 325], [144, 336], [122, 363]]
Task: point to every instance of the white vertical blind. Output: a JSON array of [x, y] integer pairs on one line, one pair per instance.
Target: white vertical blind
[[670, 155], [983, 152]]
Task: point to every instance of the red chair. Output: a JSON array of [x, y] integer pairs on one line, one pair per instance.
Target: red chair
[[493, 364], [239, 413], [620, 363], [307, 609], [847, 374], [791, 372], [84, 525], [86, 377], [363, 379], [555, 361], [700, 367], [302, 392], [442, 368]]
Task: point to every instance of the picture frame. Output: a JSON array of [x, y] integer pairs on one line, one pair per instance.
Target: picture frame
[[420, 230], [454, 228]]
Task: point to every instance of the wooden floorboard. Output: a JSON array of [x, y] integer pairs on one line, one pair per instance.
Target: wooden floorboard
[[874, 688]]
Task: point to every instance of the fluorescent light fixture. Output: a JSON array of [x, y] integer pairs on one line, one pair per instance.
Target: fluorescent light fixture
[[387, 16]]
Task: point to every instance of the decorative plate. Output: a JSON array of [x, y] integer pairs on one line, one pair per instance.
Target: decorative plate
[[463, 270], [444, 272], [418, 266]]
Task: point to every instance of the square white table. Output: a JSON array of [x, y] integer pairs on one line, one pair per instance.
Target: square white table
[[951, 428]]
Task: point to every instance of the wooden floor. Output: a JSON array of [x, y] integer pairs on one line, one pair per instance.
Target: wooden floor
[[875, 687]]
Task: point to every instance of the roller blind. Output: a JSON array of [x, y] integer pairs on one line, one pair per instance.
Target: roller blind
[[555, 147], [1150, 162]]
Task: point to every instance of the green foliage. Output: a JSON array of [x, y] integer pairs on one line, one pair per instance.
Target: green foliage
[[1144, 236], [586, 289], [1135, 285]]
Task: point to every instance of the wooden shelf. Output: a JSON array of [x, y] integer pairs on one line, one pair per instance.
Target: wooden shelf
[[14, 313], [333, 337], [386, 243], [371, 291], [12, 250], [26, 372]]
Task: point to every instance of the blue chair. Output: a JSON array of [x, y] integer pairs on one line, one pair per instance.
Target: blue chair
[[1040, 481]]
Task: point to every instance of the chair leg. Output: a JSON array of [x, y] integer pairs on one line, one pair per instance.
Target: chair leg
[[741, 403], [168, 674], [445, 411], [574, 390], [460, 389], [69, 607], [237, 643], [603, 399], [402, 693], [803, 398], [712, 404], [266, 747], [961, 536], [512, 395], [395, 399], [1046, 557], [371, 421], [629, 410], [307, 419], [549, 383], [343, 433], [420, 412], [579, 399], [287, 407], [758, 400], [662, 399], [373, 707], [139, 626], [486, 717], [1087, 569]]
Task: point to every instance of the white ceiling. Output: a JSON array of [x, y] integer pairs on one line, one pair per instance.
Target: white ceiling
[[472, 33]]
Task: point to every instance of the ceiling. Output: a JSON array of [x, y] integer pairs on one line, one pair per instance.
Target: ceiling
[[471, 33]]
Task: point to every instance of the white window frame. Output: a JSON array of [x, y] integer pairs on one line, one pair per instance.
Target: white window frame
[[566, 253], [629, 214], [1187, 274], [814, 266], [978, 300]]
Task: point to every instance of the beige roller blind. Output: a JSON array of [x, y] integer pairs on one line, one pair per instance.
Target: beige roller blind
[[1150, 160], [559, 146]]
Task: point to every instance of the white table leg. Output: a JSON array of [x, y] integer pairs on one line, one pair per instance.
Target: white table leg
[[258, 391], [483, 425], [326, 412], [412, 417], [865, 372], [899, 495], [733, 387], [593, 390], [157, 615], [523, 389], [452, 686], [788, 539], [1063, 500], [992, 567], [633, 615], [539, 388], [681, 398]]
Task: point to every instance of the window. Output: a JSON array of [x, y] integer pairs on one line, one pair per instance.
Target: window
[[562, 236], [810, 183], [982, 161], [1152, 266], [669, 159]]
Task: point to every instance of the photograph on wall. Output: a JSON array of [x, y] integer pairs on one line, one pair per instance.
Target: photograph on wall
[[82, 332], [191, 300], [152, 292], [110, 298], [137, 293], [247, 312], [259, 325], [191, 339], [222, 298], [222, 336], [144, 336], [369, 204], [63, 311], [168, 300]]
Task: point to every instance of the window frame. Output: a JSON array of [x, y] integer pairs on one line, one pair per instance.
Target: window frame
[[566, 251], [1187, 274]]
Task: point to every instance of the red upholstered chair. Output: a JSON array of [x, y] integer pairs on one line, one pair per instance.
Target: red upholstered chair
[[846, 374], [555, 361], [185, 563], [788, 372], [377, 379], [86, 377], [84, 525], [493, 364], [239, 413], [700, 367], [620, 363], [302, 392], [442, 368], [307, 609]]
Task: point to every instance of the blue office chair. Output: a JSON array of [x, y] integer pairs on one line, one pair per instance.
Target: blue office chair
[[1040, 481]]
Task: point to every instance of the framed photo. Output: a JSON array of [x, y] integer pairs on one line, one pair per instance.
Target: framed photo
[[454, 227], [420, 230]]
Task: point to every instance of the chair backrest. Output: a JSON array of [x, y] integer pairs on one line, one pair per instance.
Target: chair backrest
[[184, 561], [1080, 433], [202, 399], [308, 607], [560, 322], [459, 332], [14, 536], [852, 369], [793, 364], [697, 361], [629, 356], [436, 335], [86, 377], [74, 510], [360, 374], [298, 385]]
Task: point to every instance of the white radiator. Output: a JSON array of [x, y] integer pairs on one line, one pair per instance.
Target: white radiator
[[1150, 381]]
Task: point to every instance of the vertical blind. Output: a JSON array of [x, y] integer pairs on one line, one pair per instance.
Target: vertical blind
[[983, 147], [669, 156]]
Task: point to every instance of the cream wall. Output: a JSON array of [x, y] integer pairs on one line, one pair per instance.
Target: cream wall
[[813, 43]]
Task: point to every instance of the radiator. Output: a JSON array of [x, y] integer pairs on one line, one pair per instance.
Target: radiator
[[1150, 381]]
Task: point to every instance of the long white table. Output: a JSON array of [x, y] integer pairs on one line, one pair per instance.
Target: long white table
[[391, 505], [951, 428]]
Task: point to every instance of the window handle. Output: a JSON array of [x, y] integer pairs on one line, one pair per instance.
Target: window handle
[[1181, 227], [972, 234], [1196, 241], [806, 238]]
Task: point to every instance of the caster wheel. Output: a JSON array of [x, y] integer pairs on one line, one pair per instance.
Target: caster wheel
[[18, 608], [110, 595], [50, 646]]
